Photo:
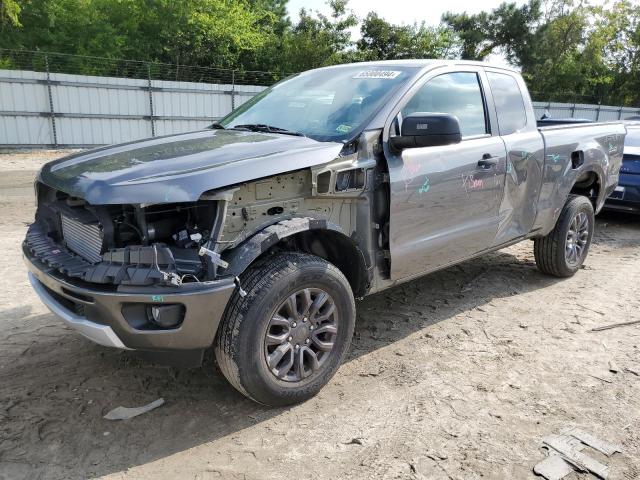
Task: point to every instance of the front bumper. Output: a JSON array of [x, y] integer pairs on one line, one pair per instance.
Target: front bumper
[[111, 315], [101, 334]]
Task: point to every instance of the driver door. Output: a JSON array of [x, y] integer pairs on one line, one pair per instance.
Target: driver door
[[445, 199]]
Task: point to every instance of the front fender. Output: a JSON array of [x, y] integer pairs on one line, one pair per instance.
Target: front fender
[[240, 257]]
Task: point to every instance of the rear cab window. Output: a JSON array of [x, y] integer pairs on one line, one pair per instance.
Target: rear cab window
[[512, 115]]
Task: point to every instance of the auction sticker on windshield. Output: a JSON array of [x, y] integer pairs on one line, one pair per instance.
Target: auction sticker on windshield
[[384, 74]]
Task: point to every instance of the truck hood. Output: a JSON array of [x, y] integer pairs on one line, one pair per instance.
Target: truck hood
[[179, 168]]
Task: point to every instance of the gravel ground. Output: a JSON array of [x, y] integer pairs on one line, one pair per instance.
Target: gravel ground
[[457, 375]]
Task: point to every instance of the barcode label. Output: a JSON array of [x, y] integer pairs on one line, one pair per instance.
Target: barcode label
[[382, 74]]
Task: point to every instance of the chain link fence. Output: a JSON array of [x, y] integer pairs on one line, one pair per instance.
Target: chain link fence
[[109, 67]]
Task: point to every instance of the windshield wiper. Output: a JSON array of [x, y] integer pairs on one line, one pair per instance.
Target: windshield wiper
[[216, 126], [261, 127]]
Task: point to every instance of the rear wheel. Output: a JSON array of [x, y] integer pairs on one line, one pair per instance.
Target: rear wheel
[[283, 341], [562, 252]]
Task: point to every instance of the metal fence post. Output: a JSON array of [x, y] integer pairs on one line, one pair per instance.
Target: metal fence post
[[233, 90], [151, 114], [598, 113], [620, 113], [52, 113]]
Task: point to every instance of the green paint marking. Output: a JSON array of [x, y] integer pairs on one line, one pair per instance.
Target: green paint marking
[[425, 186], [509, 167]]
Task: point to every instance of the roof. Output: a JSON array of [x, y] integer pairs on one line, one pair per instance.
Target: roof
[[422, 63]]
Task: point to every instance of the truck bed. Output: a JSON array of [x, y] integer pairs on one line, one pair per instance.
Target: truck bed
[[573, 153]]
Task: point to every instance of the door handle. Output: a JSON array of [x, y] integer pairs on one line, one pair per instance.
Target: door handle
[[488, 161]]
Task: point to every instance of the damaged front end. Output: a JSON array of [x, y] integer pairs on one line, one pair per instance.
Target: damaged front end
[[141, 277], [138, 245]]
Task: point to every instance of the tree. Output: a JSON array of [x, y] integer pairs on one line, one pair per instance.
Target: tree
[[567, 50], [198, 32], [472, 32], [381, 40], [563, 54], [274, 26], [509, 27], [615, 41], [318, 40], [9, 13]]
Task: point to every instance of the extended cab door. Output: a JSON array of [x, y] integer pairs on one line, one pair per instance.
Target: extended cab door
[[525, 154], [445, 200]]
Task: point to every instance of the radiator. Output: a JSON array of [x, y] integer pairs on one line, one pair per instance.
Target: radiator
[[85, 239]]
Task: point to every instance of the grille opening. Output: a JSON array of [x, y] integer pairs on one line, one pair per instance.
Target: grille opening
[[79, 296], [81, 240], [70, 305]]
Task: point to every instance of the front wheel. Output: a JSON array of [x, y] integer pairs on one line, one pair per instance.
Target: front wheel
[[562, 252], [283, 341]]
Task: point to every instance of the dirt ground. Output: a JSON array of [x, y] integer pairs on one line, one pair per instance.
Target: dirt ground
[[457, 375]]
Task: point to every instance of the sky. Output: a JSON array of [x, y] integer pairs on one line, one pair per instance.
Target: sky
[[402, 11]]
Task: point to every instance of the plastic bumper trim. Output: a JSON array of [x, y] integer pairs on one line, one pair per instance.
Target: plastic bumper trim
[[101, 334]]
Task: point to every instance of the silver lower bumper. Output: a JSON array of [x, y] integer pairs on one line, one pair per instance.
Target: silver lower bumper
[[101, 334]]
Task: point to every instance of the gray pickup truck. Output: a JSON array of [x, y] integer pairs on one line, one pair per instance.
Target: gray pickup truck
[[255, 235]]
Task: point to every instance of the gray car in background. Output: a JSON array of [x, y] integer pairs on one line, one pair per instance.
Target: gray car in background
[[255, 236]]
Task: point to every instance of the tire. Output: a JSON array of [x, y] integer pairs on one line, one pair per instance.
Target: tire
[[243, 349], [554, 253]]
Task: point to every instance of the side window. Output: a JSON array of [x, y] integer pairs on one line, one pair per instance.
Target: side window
[[457, 94], [507, 96]]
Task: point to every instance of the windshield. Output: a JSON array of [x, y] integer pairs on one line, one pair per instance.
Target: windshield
[[326, 105]]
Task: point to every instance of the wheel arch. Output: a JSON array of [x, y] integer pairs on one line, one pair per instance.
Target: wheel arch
[[315, 236], [590, 183]]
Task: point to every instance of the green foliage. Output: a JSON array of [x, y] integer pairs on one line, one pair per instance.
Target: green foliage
[[198, 32], [9, 13], [567, 50], [381, 40], [318, 40]]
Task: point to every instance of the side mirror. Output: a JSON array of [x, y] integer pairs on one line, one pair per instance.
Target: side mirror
[[427, 130]]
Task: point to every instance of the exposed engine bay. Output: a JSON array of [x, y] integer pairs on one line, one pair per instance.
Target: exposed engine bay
[[123, 244], [183, 242]]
